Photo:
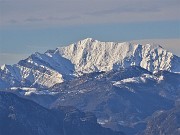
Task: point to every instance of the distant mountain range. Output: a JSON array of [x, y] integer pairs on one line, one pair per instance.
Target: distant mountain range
[[85, 56], [130, 88]]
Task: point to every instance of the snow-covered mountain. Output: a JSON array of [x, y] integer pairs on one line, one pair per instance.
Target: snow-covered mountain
[[91, 55], [85, 56]]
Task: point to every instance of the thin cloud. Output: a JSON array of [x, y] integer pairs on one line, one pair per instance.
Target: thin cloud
[[34, 20], [120, 10], [13, 21], [65, 12], [63, 18]]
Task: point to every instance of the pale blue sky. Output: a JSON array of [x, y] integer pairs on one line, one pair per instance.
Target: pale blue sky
[[38, 25]]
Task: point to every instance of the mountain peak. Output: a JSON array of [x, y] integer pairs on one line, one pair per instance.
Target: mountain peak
[[85, 41]]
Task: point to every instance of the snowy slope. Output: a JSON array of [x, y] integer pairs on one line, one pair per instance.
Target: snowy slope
[[38, 70], [85, 56]]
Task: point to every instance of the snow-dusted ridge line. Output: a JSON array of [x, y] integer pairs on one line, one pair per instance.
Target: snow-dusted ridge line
[[85, 56]]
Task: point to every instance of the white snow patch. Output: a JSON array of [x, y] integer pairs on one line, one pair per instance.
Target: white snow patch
[[128, 80], [82, 91], [28, 91], [102, 121], [122, 123]]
